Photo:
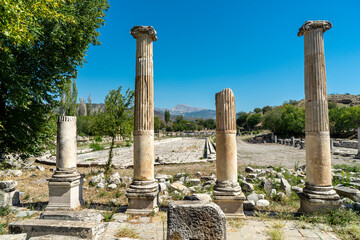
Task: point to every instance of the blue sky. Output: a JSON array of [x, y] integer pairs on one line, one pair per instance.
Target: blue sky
[[205, 46]]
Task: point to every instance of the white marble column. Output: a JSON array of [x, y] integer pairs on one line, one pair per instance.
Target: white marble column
[[65, 185], [358, 154], [227, 192], [318, 192], [142, 193]]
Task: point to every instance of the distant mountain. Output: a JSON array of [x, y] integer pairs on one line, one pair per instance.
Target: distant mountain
[[189, 112]]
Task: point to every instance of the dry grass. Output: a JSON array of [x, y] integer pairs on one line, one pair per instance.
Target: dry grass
[[127, 232], [275, 232], [236, 223]]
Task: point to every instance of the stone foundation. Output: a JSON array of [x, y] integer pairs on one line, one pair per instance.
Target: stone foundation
[[142, 197], [230, 199], [315, 198]]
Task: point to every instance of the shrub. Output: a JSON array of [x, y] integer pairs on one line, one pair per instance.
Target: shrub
[[98, 139], [96, 147]]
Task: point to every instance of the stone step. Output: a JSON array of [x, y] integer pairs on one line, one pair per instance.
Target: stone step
[[21, 236], [83, 216], [54, 237], [41, 227]]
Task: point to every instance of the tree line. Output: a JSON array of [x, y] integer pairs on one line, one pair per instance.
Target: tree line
[[289, 119]]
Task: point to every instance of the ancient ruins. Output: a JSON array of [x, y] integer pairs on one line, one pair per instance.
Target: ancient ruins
[[227, 192], [65, 186], [319, 192], [198, 205], [142, 193]]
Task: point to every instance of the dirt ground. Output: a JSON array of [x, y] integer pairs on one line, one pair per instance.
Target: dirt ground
[[270, 154]]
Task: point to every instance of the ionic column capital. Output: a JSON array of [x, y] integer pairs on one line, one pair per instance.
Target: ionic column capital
[[143, 30], [312, 25]]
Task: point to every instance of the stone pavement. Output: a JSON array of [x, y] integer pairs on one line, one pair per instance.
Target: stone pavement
[[167, 151], [154, 228]]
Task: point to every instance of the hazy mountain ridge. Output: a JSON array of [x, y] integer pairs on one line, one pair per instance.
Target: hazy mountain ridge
[[189, 111]]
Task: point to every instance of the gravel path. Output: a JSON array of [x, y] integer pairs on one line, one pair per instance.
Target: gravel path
[[266, 154], [174, 150]]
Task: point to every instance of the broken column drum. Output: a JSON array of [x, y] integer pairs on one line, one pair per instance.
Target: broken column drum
[[227, 192], [65, 190], [143, 191], [318, 192]]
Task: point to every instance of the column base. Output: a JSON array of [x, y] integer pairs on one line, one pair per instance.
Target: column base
[[65, 193], [228, 196], [142, 197], [315, 198]]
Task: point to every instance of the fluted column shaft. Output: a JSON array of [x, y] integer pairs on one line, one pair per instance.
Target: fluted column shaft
[[142, 192], [318, 154], [226, 149], [318, 192], [227, 192], [144, 109]]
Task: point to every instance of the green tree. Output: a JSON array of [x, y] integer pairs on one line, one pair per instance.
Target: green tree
[[68, 99], [241, 119], [42, 44], [344, 121], [272, 119], [117, 118], [292, 121], [85, 125], [89, 109], [167, 116], [265, 109], [210, 124], [257, 110], [157, 124], [253, 120]]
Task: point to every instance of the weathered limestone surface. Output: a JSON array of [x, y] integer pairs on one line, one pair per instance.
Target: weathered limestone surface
[[358, 154], [65, 186], [21, 236], [348, 192], [39, 227], [8, 195], [195, 220], [227, 192], [142, 193], [318, 192], [82, 216]]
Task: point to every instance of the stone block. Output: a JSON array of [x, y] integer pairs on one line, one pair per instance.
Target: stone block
[[64, 195], [195, 220], [40, 227], [232, 206], [262, 203], [82, 216], [21, 236], [199, 197], [348, 192], [54, 237], [249, 205], [9, 198]]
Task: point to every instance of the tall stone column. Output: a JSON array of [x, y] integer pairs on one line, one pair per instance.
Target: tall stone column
[[65, 186], [227, 192], [143, 191], [318, 192], [358, 154]]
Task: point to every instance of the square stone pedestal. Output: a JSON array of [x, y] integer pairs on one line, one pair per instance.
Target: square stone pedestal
[[64, 194], [308, 205], [142, 205], [232, 206]]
